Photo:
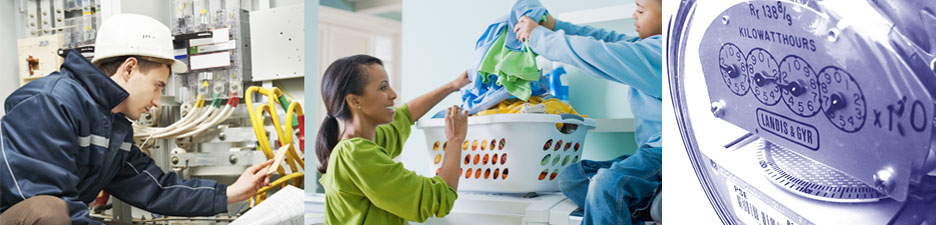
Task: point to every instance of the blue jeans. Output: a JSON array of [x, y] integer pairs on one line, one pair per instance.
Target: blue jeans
[[609, 190]]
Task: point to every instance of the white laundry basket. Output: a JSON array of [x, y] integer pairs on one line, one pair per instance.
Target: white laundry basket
[[511, 153]]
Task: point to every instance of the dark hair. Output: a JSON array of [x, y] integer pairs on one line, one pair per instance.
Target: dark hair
[[344, 76], [109, 65]]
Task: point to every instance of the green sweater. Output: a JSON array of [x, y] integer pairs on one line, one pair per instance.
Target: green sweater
[[363, 185]]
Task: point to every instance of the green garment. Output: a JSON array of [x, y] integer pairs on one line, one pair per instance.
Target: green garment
[[363, 185], [514, 69]]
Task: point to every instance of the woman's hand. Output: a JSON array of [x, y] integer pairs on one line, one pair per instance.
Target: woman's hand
[[460, 81], [456, 125], [420, 105], [249, 182]]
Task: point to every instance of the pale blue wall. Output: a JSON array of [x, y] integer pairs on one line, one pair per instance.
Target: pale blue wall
[[310, 91], [438, 42]]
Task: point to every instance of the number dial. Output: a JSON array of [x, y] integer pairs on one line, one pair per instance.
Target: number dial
[[796, 72], [763, 71], [842, 101], [731, 63]]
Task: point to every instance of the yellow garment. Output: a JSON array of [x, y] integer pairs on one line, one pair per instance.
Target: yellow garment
[[363, 185], [553, 106]]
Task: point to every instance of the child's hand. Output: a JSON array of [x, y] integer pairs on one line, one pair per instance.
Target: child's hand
[[524, 27], [456, 125]]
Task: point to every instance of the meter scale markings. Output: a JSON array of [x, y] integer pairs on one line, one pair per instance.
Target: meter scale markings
[[811, 179]]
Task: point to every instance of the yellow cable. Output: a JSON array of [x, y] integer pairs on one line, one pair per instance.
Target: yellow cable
[[263, 143], [285, 137], [273, 94], [294, 109], [266, 108], [283, 89]]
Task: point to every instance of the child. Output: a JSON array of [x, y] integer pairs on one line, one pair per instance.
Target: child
[[609, 191]]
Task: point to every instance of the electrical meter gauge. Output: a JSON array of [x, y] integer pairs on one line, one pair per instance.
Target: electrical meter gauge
[[810, 179], [733, 68], [800, 88], [853, 141], [764, 76], [842, 100]]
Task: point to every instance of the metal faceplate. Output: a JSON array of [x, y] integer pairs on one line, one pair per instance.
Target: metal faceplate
[[808, 178], [800, 79]]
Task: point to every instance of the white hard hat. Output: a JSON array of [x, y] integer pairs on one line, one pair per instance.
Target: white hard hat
[[133, 34]]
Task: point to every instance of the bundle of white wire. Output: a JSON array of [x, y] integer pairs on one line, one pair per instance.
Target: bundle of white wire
[[196, 121]]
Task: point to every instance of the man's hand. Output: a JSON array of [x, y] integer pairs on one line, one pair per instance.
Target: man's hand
[[249, 182]]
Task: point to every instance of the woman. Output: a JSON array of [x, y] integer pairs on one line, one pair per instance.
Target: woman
[[363, 185]]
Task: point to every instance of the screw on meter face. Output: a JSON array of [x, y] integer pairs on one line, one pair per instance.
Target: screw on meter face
[[733, 70], [799, 85], [841, 98], [763, 71]]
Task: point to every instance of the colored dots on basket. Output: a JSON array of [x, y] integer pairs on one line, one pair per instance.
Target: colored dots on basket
[[435, 146], [438, 170], [504, 159], [493, 144], [494, 159], [558, 145], [496, 173], [501, 146], [575, 159], [556, 160], [444, 145], [576, 147], [483, 144], [554, 173], [545, 160], [478, 173], [546, 146], [477, 159], [543, 174], [467, 159], [487, 173], [468, 174], [567, 146], [484, 161], [504, 176], [474, 145], [438, 158]]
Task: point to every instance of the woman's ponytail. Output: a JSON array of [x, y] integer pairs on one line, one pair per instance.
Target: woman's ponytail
[[326, 141], [343, 77]]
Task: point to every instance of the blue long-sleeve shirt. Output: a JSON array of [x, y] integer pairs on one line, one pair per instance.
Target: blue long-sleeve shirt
[[60, 138], [625, 59]]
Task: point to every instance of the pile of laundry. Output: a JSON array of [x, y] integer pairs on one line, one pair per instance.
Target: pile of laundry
[[504, 67], [504, 75], [535, 104]]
